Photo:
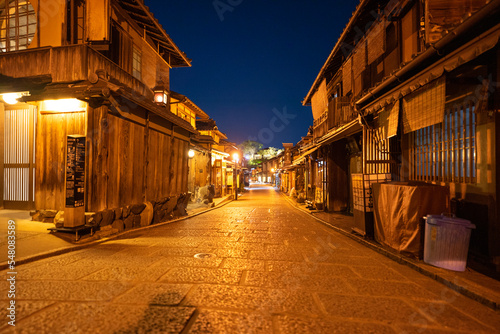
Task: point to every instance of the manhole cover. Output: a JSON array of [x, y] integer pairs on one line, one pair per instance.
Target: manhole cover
[[204, 255]]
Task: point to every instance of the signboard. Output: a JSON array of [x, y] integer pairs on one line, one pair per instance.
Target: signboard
[[75, 171]]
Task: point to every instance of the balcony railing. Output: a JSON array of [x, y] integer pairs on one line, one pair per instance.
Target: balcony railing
[[65, 64]]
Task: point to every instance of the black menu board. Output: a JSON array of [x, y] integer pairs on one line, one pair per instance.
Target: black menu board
[[75, 171]]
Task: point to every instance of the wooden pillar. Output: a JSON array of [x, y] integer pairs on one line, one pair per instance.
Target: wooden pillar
[[2, 129], [146, 160]]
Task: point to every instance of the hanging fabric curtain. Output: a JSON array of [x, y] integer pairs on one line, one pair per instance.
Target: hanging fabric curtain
[[425, 106]]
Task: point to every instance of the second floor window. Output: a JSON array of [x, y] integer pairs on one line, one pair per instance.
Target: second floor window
[[136, 63], [17, 25]]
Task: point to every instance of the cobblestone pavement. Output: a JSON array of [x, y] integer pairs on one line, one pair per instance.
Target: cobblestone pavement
[[273, 269]]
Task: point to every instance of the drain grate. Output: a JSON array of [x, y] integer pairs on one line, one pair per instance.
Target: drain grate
[[204, 255]]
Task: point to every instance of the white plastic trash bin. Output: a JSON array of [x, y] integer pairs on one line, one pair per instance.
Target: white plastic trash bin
[[447, 242]]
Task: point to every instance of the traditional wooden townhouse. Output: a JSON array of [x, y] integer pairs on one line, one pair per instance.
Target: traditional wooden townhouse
[[222, 155], [199, 165], [85, 122], [410, 93]]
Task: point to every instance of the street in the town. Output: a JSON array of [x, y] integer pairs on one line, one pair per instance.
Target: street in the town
[[255, 265]]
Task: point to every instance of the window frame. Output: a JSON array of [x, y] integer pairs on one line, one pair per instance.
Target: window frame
[[10, 36], [136, 71], [447, 151]]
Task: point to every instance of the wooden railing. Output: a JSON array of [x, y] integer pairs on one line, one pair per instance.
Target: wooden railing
[[65, 64]]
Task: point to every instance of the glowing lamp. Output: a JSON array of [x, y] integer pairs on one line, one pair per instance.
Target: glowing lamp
[[191, 153], [11, 98], [236, 157], [161, 95], [272, 170], [63, 106]]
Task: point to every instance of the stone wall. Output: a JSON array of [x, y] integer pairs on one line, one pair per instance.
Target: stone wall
[[111, 221]]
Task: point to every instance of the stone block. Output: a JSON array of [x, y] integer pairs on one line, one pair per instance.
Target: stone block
[[118, 213], [182, 202], [48, 213], [136, 209], [118, 225], [97, 218], [107, 217], [126, 212], [147, 214], [137, 221], [129, 222], [59, 217], [37, 217]]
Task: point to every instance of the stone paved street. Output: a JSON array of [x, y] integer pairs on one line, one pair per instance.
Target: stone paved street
[[272, 269]]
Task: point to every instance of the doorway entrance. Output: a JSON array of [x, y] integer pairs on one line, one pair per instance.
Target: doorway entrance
[[19, 156]]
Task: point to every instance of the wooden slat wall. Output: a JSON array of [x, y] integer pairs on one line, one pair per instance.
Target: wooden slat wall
[[115, 159], [159, 178], [51, 156], [116, 162], [18, 65]]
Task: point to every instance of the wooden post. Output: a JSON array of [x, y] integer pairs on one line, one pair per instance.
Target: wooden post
[[235, 180], [2, 120], [146, 162]]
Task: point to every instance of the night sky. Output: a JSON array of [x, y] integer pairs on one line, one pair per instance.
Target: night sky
[[253, 61]]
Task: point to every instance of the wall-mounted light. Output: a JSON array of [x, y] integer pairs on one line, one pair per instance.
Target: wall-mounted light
[[191, 153], [62, 106], [12, 98], [161, 95]]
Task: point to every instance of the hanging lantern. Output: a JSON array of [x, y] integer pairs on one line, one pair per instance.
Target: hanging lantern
[[161, 95]]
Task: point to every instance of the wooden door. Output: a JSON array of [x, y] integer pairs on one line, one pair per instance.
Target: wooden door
[[19, 157]]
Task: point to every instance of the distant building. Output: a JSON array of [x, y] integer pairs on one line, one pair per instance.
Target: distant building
[[221, 155]]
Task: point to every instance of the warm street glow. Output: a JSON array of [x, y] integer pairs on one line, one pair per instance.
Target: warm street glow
[[11, 98], [272, 170], [236, 157], [63, 105], [191, 153]]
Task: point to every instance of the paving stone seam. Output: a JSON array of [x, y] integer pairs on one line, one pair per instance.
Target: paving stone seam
[[64, 250], [400, 259]]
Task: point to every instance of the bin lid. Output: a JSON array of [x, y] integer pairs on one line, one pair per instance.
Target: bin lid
[[434, 219]]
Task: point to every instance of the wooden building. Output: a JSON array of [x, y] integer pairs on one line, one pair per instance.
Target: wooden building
[[221, 155], [409, 93], [200, 156], [98, 69]]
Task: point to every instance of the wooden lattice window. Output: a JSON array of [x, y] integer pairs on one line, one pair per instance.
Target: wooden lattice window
[[17, 25], [136, 63], [446, 152]]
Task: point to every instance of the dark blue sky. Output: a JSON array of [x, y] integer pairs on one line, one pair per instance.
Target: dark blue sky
[[262, 56]]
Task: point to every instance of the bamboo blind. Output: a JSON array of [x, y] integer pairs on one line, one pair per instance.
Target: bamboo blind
[[359, 57], [424, 107], [376, 42], [388, 120], [319, 101], [347, 75]]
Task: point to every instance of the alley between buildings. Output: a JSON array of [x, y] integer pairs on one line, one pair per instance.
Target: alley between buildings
[[255, 265]]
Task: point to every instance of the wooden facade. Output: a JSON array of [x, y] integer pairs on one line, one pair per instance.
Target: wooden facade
[[411, 97], [108, 56]]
